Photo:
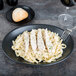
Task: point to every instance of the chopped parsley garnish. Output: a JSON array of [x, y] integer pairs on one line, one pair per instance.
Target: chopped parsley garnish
[[50, 47]]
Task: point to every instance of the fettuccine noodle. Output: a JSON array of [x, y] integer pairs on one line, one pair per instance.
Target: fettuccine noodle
[[33, 50]]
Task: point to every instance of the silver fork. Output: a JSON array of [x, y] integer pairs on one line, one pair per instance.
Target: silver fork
[[67, 32]]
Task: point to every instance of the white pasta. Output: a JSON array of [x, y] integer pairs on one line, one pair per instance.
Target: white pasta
[[38, 45]]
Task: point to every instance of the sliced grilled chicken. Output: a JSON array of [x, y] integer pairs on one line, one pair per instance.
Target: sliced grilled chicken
[[40, 42], [48, 43], [33, 40], [26, 41]]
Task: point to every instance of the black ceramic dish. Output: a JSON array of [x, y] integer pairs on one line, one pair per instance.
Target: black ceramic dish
[[68, 3], [7, 43], [28, 9], [1, 4], [12, 2]]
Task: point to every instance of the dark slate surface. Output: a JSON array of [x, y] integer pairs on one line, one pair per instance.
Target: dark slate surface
[[47, 12]]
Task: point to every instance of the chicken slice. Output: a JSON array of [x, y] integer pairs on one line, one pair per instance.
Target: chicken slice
[[33, 40], [26, 41], [40, 42], [48, 43]]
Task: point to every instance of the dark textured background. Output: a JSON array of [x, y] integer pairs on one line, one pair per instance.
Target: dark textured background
[[47, 12]]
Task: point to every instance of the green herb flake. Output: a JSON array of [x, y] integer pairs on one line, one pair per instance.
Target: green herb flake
[[50, 47]]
